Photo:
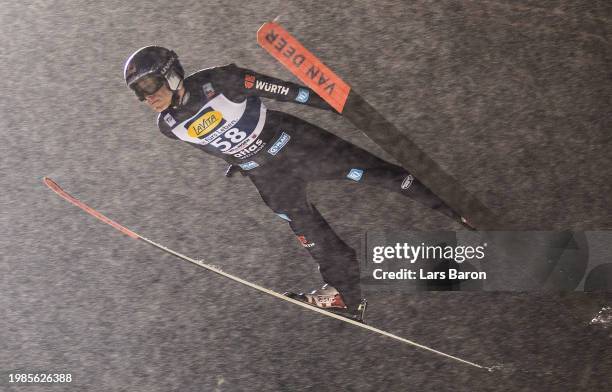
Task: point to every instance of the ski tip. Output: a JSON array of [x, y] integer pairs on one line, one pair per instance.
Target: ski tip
[[269, 24], [49, 182], [264, 29], [52, 184]]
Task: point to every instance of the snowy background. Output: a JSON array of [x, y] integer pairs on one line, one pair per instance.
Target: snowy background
[[512, 98]]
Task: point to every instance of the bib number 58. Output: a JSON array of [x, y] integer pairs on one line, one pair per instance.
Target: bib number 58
[[229, 139]]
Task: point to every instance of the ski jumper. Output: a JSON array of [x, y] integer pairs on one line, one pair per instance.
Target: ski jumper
[[222, 114]]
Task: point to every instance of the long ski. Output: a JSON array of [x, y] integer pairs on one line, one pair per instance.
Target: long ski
[[316, 75], [132, 234]]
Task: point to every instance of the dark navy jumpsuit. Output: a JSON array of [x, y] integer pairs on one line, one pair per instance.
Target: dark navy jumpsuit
[[222, 114]]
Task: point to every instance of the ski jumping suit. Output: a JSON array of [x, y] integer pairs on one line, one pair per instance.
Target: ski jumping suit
[[222, 114]]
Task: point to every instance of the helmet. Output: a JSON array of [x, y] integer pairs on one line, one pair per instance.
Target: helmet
[[160, 64]]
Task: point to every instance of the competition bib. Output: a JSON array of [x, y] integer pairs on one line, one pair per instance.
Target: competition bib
[[228, 127]]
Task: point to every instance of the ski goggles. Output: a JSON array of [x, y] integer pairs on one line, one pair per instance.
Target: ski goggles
[[148, 85]]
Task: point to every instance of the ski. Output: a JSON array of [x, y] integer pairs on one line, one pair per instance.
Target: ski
[[344, 99], [132, 234]]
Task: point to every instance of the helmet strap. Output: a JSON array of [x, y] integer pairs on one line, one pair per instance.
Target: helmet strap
[[176, 95], [174, 80]]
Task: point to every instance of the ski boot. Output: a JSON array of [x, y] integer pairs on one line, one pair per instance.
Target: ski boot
[[330, 299]]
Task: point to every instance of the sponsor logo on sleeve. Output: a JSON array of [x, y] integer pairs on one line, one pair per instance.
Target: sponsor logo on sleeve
[[303, 95], [279, 144], [208, 90], [355, 175], [248, 165], [249, 81], [169, 119], [407, 181], [271, 88], [204, 124]]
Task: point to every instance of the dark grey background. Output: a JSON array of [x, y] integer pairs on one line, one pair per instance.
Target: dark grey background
[[513, 98]]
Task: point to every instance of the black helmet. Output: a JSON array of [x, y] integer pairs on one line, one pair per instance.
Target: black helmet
[[153, 61]]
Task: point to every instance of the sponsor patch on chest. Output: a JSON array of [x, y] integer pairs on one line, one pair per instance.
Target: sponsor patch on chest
[[169, 119], [205, 124]]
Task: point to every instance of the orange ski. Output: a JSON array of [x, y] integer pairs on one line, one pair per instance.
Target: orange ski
[[338, 94], [56, 188], [303, 64]]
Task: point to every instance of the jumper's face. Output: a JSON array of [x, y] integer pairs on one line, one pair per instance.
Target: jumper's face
[[156, 93]]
